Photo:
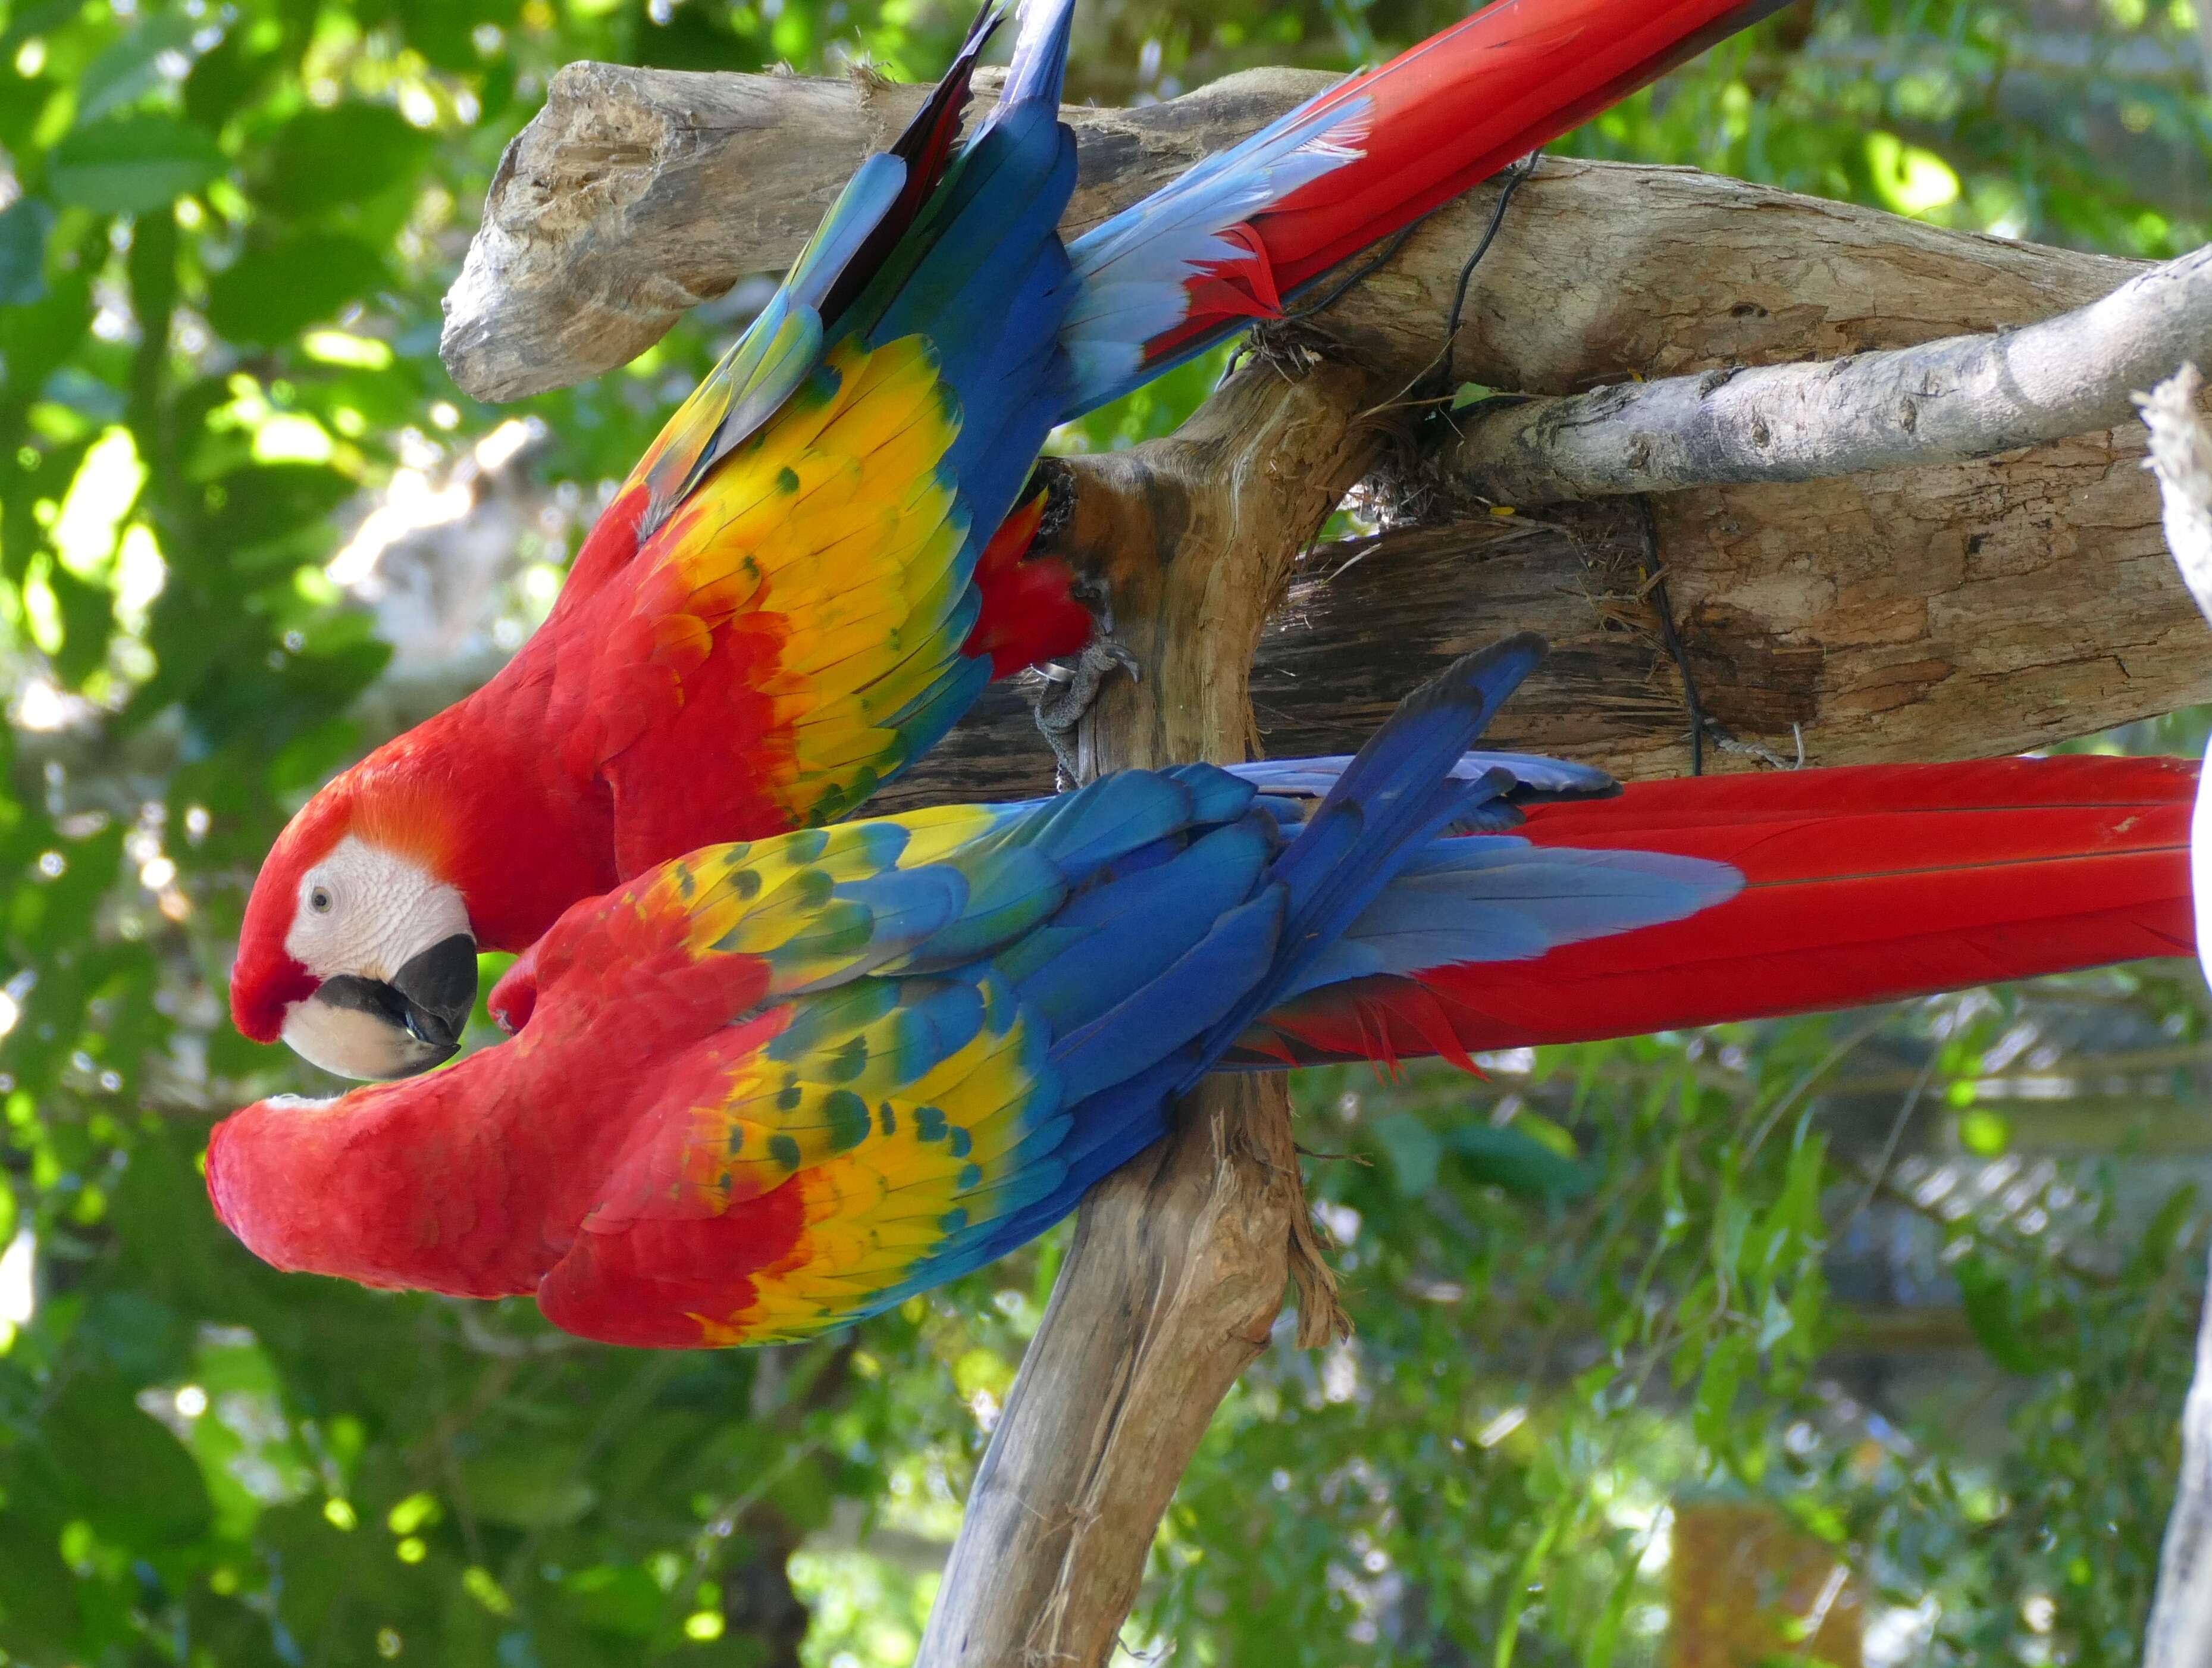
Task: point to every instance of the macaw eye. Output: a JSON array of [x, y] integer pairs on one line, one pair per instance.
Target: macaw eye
[[319, 900]]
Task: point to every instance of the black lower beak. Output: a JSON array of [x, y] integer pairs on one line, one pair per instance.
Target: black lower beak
[[428, 1001], [437, 991]]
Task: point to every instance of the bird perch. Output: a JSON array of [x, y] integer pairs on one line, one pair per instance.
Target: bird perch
[[1974, 607]]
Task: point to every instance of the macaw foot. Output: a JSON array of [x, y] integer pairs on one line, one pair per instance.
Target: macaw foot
[[1070, 689]]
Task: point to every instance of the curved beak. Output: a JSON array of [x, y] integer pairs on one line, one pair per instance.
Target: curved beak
[[381, 1029]]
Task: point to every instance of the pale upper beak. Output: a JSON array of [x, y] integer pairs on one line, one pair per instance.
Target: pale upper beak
[[382, 1029]]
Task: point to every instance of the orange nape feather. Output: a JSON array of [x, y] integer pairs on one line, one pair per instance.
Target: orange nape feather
[[1864, 884]]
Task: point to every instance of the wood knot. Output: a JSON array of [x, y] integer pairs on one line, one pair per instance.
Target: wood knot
[[1908, 415], [1760, 436]]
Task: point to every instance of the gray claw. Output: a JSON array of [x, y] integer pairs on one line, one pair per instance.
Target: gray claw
[[1072, 689]]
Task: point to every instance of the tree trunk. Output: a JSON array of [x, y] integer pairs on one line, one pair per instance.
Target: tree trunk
[[1180, 1259]]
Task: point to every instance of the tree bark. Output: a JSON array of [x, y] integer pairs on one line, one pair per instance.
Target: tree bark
[[1180, 1259], [635, 194], [1949, 401], [1913, 612], [1966, 610]]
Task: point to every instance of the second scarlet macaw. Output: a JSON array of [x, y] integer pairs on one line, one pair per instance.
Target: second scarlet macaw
[[768, 1088], [800, 588]]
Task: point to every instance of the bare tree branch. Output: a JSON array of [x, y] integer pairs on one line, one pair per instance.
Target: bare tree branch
[[1947, 401], [636, 193], [2180, 1631], [1181, 1259]]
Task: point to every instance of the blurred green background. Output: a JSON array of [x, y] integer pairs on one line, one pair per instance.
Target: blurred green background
[[1912, 1288]]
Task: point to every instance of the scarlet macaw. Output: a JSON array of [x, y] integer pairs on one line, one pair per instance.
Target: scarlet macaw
[[765, 1089], [799, 590]]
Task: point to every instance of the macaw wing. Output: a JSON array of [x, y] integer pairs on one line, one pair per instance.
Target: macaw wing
[[803, 611], [890, 1106], [782, 346], [817, 1165]]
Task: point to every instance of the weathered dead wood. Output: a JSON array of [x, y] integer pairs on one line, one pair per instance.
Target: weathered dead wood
[[1180, 1259], [1974, 608], [1931, 613], [1948, 401], [2180, 457], [636, 193]]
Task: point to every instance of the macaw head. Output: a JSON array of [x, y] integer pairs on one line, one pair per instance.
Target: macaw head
[[356, 950]]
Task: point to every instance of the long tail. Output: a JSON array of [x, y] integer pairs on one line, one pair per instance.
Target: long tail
[[1237, 237], [1859, 884]]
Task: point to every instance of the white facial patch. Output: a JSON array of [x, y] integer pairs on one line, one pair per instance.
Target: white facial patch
[[366, 911]]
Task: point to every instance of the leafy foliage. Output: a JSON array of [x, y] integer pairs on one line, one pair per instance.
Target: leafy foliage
[[1607, 1283]]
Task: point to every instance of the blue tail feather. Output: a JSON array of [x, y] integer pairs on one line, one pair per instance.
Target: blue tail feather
[[1187, 1000]]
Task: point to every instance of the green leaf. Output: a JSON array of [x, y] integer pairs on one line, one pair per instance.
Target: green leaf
[[326, 159], [615, 1598], [274, 290], [38, 1596], [1993, 1313], [1716, 1392], [228, 76], [129, 1477], [129, 68], [1520, 1163], [1414, 1151], [132, 164], [87, 613], [1605, 1636], [2163, 1233], [252, 508], [534, 1486], [24, 228]]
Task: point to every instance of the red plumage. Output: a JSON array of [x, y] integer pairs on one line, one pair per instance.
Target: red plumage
[[1027, 610], [1864, 884], [1444, 117]]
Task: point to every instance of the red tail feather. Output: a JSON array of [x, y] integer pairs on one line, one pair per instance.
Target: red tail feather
[[1461, 106], [1864, 884]]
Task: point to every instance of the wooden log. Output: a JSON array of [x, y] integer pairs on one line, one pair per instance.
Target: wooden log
[[1181, 1259], [1947, 401], [1966, 609], [1970, 609], [636, 193]]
